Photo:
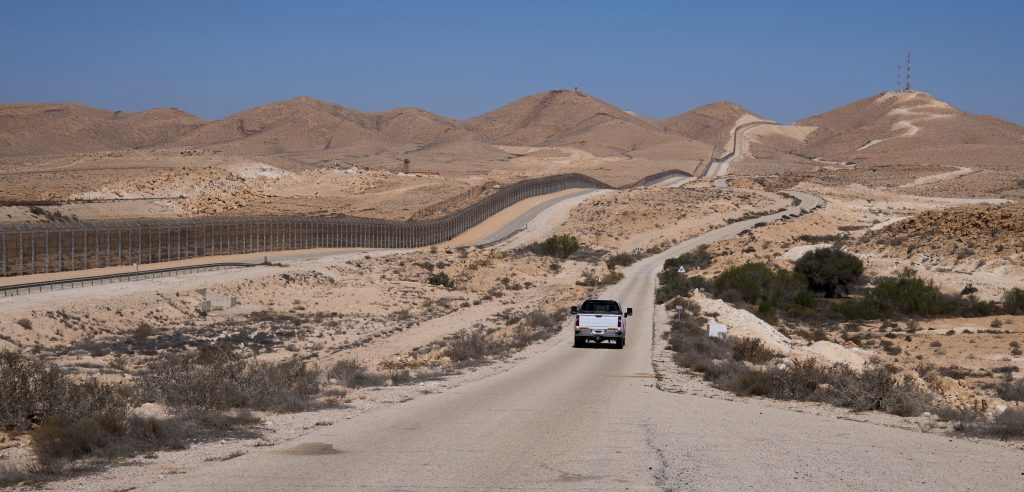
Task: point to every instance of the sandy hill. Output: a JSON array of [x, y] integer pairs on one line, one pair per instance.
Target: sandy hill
[[711, 123], [295, 125], [910, 128], [306, 125], [572, 118], [52, 129], [419, 126]]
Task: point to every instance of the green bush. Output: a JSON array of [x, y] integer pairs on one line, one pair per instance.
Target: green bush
[[672, 284], [904, 295], [621, 259], [560, 246], [1013, 301], [698, 258], [760, 285], [441, 279], [830, 271]]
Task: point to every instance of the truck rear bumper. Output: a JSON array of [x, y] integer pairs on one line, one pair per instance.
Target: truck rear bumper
[[599, 335]]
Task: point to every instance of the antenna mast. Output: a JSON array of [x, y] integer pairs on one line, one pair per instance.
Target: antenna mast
[[908, 70], [899, 77]]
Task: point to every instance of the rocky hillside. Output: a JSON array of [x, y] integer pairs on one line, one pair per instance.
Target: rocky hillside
[[575, 119], [55, 129], [993, 234], [711, 124]]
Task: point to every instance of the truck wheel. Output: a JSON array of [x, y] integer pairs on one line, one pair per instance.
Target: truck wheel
[[577, 341], [620, 343]]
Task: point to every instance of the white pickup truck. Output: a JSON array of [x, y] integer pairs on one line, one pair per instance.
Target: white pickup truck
[[600, 320]]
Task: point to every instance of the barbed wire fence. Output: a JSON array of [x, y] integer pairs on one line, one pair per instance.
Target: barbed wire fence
[[35, 248]]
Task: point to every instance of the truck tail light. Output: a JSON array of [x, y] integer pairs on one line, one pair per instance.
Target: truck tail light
[[620, 321], [577, 320]]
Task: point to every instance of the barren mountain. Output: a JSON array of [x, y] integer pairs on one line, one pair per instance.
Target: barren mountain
[[53, 129], [711, 123], [313, 130], [295, 125], [419, 126], [911, 128], [575, 119]]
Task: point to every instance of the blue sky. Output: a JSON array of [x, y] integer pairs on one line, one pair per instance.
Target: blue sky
[[783, 59]]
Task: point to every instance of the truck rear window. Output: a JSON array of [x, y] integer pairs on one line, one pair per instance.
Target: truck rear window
[[600, 307]]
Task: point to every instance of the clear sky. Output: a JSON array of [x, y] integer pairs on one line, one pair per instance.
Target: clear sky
[[782, 59]]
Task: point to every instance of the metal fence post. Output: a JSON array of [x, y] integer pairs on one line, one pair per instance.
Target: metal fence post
[[21, 253], [32, 244], [60, 249], [3, 252], [72, 238]]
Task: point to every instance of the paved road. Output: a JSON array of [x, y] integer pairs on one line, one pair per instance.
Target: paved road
[[592, 419]]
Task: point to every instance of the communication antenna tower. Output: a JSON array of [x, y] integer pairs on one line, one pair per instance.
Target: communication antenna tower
[[908, 70], [899, 77]]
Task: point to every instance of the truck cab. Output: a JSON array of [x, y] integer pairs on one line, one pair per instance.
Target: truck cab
[[598, 320]]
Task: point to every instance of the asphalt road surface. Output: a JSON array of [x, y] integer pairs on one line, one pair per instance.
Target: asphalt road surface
[[591, 418]]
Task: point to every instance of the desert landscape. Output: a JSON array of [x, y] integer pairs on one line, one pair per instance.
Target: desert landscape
[[901, 190]]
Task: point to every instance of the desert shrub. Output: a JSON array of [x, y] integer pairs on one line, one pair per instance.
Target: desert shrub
[[470, 346], [558, 246], [698, 258], [673, 284], [611, 278], [830, 271], [25, 323], [876, 387], [621, 259], [353, 374], [217, 379], [685, 303], [540, 319], [110, 433], [752, 350], [904, 295], [32, 391], [1007, 425], [1012, 390], [826, 238], [441, 279], [760, 285], [1013, 301]]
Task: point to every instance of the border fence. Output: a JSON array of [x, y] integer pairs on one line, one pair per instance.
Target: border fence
[[45, 247]]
